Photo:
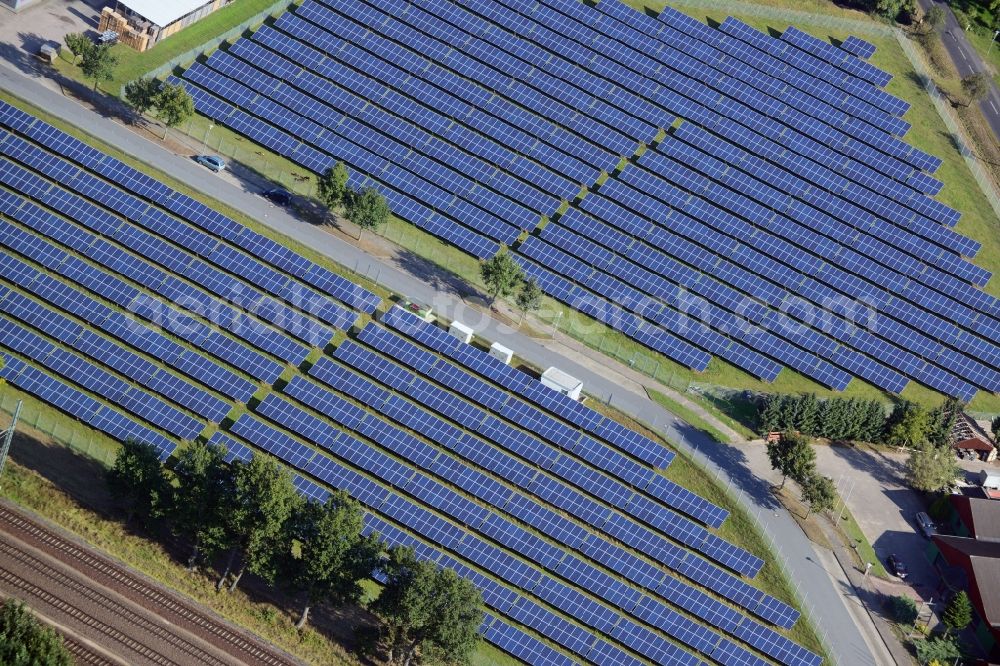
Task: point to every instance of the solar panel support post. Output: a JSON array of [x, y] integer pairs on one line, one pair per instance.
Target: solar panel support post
[[8, 437]]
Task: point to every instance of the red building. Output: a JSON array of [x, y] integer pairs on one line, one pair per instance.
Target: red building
[[970, 561]]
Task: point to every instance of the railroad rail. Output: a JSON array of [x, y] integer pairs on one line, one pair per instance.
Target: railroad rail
[[83, 655], [114, 576]]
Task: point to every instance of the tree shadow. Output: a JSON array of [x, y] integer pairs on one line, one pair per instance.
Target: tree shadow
[[917, 78], [51, 461], [735, 407], [91, 20], [733, 461], [955, 141], [25, 58], [872, 462], [436, 277]]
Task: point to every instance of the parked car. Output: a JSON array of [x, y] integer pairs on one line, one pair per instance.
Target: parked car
[[213, 162], [898, 567], [277, 195], [926, 525]]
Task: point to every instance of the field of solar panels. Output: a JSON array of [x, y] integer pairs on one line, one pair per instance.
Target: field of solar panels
[[144, 313], [768, 226]]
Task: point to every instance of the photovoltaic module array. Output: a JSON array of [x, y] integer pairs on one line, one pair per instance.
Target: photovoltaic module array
[[775, 217], [148, 315]]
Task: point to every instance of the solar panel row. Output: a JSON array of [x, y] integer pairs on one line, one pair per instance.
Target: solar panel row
[[509, 438], [158, 312], [190, 210], [175, 260], [601, 454], [70, 400], [591, 36], [801, 359], [503, 466], [858, 47], [400, 201], [870, 292], [417, 485], [792, 317]]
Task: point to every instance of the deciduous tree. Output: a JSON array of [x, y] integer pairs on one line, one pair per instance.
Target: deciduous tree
[[932, 469], [426, 612], [818, 493], [501, 275], [329, 557], [261, 500], [141, 94], [98, 63], [529, 297], [137, 481], [331, 186], [976, 87], [935, 17], [24, 641], [202, 482], [791, 455], [77, 43], [173, 105], [368, 209]]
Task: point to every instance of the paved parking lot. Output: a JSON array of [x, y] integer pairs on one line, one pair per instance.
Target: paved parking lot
[[22, 33], [874, 484]]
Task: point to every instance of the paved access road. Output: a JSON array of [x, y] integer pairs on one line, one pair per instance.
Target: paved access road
[[967, 60], [849, 641]]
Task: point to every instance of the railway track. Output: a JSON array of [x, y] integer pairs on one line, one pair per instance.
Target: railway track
[[114, 576], [59, 586], [83, 655]]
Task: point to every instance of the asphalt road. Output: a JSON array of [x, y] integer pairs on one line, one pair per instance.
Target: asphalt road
[[845, 637], [967, 60]]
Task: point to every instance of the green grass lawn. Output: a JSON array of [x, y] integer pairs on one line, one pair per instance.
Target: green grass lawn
[[740, 528], [976, 14], [859, 542], [688, 416], [960, 191], [133, 65]]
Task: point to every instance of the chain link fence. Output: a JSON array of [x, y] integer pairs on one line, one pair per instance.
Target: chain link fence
[[951, 121], [609, 342], [234, 32], [789, 16], [51, 423]]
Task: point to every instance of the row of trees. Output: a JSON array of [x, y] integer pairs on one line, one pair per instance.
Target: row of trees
[[926, 432], [249, 517], [366, 208], [909, 425], [171, 101], [833, 418], [96, 61]]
